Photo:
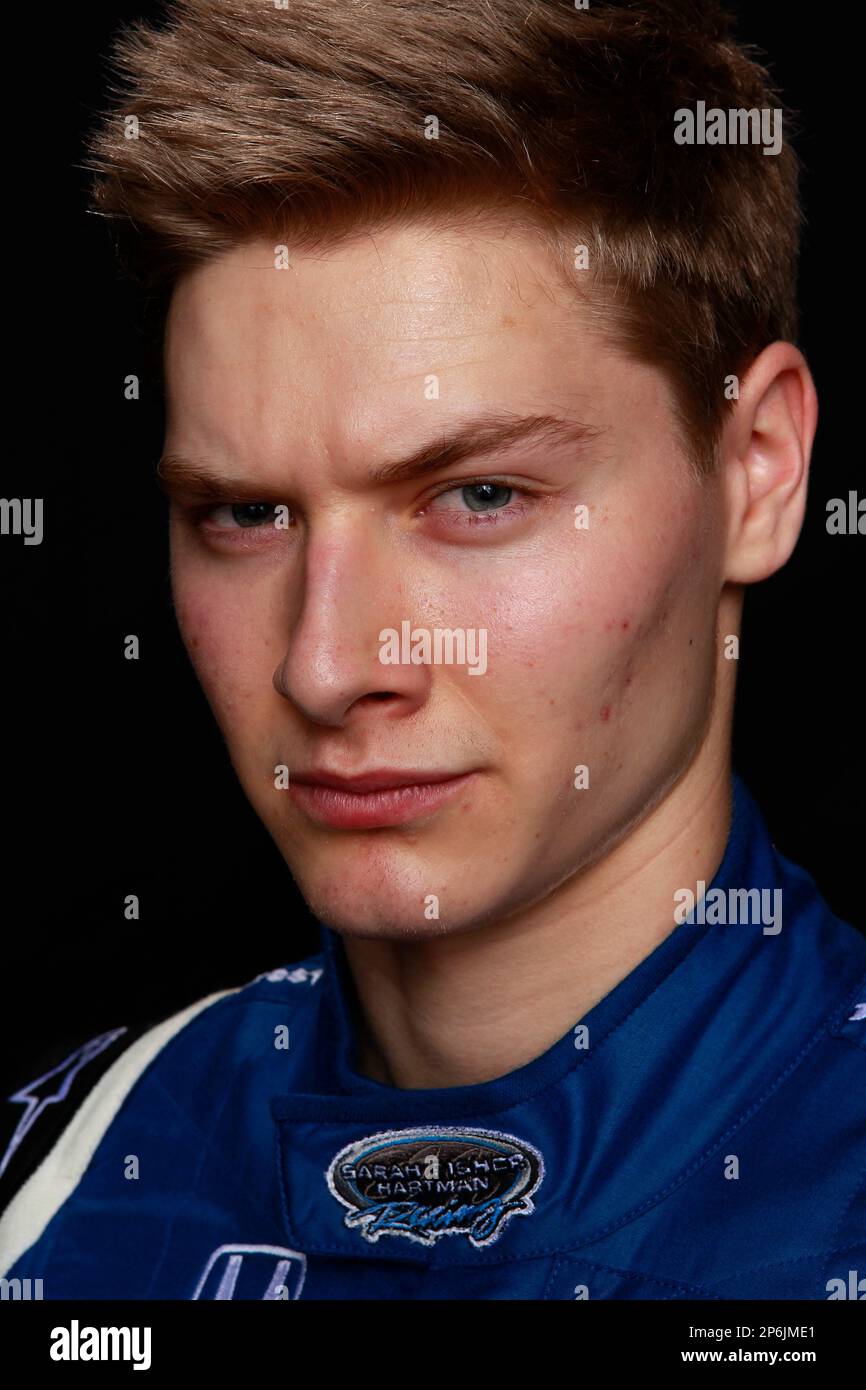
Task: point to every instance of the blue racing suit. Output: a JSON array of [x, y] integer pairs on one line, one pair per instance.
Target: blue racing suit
[[699, 1133]]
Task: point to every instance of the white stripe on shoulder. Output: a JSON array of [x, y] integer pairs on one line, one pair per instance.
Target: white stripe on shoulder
[[60, 1172]]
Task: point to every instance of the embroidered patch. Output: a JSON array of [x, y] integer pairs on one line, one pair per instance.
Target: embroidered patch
[[432, 1182]]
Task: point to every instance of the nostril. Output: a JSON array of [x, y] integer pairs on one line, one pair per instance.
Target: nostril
[[376, 697]]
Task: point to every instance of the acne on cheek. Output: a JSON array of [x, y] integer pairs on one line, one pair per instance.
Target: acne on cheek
[[627, 637], [193, 624], [201, 639], [235, 677], [640, 646], [208, 626]]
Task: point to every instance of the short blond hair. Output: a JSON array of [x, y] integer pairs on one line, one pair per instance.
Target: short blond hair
[[313, 121]]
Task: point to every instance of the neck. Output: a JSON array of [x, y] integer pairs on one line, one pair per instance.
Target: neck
[[462, 1009]]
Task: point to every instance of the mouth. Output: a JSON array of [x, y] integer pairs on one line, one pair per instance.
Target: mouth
[[375, 799]]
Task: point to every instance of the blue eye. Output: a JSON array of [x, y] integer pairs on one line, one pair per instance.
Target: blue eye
[[252, 513], [468, 504], [244, 514], [482, 497]]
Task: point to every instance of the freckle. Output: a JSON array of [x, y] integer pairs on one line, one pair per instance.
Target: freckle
[[605, 714]]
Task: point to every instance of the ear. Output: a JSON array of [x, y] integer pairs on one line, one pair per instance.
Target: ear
[[764, 461]]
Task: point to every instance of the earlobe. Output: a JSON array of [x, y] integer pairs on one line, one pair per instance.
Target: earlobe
[[765, 455]]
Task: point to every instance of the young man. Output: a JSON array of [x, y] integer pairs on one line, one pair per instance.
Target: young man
[[483, 409]]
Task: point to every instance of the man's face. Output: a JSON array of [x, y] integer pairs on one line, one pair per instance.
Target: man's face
[[601, 649]]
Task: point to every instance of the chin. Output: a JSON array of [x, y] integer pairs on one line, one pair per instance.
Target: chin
[[356, 907]]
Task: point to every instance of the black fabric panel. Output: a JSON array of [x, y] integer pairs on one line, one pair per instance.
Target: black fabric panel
[[68, 1071]]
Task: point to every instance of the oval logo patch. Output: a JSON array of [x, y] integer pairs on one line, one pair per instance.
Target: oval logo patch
[[432, 1182]]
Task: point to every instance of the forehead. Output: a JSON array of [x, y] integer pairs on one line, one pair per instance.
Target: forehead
[[380, 337], [407, 262]]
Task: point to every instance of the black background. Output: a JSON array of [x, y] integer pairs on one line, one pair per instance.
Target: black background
[[116, 777]]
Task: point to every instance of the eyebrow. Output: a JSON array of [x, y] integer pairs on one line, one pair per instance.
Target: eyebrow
[[474, 438]]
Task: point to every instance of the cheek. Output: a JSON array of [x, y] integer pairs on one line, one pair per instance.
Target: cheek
[[576, 637], [652, 625], [221, 648], [562, 616]]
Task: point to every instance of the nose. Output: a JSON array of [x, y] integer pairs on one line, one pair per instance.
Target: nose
[[352, 590]]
